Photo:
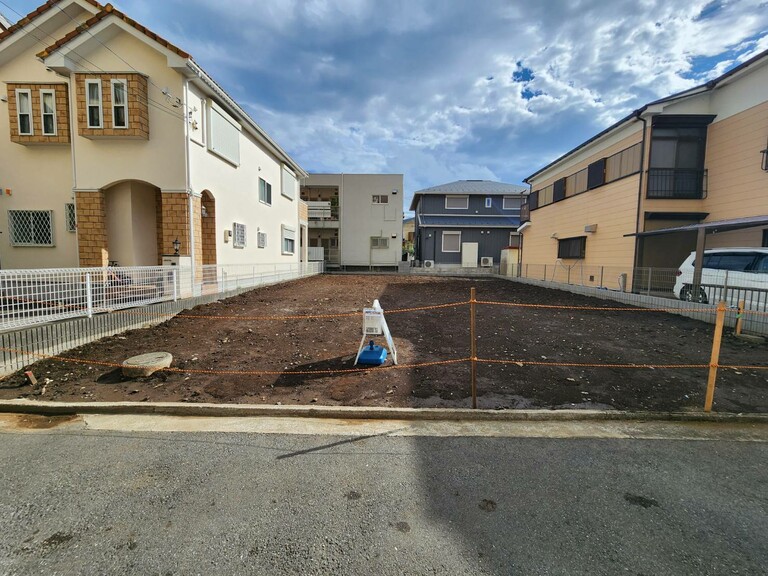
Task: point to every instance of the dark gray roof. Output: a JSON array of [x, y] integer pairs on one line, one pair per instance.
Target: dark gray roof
[[470, 187], [711, 227], [469, 221]]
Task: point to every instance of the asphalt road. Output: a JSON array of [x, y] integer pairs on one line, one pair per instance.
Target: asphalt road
[[75, 500]]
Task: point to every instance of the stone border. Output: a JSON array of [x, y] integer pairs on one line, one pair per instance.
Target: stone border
[[364, 413]]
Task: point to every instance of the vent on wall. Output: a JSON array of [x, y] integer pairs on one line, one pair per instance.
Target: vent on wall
[[429, 263], [486, 261], [261, 239]]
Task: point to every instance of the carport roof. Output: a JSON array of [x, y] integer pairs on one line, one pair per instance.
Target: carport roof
[[710, 227], [469, 221]]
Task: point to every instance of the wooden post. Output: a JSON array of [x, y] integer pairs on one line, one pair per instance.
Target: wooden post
[[739, 318], [715, 358], [473, 345]]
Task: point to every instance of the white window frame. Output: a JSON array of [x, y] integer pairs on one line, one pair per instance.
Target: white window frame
[[457, 196], [504, 204], [450, 233], [112, 84], [489, 202], [28, 94], [12, 230], [266, 198], [290, 236], [380, 199], [239, 235], [88, 104], [43, 113], [70, 217]]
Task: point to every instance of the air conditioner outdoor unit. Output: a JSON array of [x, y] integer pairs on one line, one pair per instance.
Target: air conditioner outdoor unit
[[429, 263], [486, 261]]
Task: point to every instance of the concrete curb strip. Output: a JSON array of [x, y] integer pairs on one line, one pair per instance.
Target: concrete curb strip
[[363, 413]]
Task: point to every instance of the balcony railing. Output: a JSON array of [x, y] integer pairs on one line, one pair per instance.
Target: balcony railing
[[677, 183], [319, 210], [525, 213]]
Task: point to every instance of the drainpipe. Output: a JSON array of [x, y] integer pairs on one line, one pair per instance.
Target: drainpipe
[[341, 222], [72, 137], [187, 178], [640, 188]]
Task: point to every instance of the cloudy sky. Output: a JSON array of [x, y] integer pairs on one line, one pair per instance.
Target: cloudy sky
[[442, 90]]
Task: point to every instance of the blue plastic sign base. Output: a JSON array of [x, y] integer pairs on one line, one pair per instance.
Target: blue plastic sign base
[[373, 356]]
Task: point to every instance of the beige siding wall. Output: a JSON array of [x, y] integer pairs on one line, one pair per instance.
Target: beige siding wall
[[737, 184], [612, 207]]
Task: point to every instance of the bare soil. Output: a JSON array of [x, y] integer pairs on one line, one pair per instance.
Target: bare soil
[[286, 346]]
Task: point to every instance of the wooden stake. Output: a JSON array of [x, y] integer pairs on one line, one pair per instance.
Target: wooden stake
[[739, 317], [715, 358], [473, 345]]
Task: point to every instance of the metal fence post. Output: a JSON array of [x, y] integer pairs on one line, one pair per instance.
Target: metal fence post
[[473, 345], [715, 358], [89, 294]]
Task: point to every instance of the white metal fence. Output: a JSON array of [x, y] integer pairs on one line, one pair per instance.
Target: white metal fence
[[29, 297]]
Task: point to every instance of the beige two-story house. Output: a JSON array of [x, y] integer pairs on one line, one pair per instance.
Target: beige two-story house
[[684, 171], [115, 144]]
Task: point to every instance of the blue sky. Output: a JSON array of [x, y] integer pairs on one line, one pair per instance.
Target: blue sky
[[442, 90]]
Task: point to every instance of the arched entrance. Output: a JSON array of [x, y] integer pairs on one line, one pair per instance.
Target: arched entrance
[[131, 214]]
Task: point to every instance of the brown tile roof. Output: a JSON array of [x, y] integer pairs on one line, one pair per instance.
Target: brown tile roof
[[35, 13], [106, 11]]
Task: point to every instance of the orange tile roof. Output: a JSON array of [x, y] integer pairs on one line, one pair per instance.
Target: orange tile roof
[[106, 11], [35, 13]]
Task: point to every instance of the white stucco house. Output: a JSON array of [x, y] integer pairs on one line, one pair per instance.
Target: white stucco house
[[355, 220], [114, 143]]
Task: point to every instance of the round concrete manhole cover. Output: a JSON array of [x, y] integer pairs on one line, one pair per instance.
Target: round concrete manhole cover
[[146, 364]]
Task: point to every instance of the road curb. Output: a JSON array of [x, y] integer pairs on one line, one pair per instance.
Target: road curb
[[363, 413]]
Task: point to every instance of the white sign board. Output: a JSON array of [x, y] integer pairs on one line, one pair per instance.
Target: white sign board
[[374, 324]]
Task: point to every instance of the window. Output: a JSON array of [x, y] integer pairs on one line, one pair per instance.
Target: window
[[514, 240], [288, 188], [623, 164], [596, 174], [48, 112], [734, 261], [31, 227], [70, 217], [456, 202], [379, 242], [239, 237], [93, 94], [223, 135], [119, 104], [380, 199], [289, 239], [546, 195], [572, 247], [489, 202], [265, 191], [451, 241], [765, 238], [512, 202], [24, 111], [261, 239]]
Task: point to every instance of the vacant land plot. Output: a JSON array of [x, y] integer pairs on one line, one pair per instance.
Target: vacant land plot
[[228, 336]]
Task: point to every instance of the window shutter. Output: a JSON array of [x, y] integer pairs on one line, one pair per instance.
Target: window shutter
[[596, 174], [533, 200], [559, 190]]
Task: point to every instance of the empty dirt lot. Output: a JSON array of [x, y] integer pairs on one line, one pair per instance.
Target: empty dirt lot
[[233, 336]]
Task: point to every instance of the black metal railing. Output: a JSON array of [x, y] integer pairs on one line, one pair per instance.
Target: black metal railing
[[682, 183]]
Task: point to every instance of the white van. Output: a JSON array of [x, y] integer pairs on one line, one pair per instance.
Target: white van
[[729, 274]]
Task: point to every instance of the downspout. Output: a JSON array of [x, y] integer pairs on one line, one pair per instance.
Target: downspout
[[190, 198], [341, 222], [72, 137], [640, 187]]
